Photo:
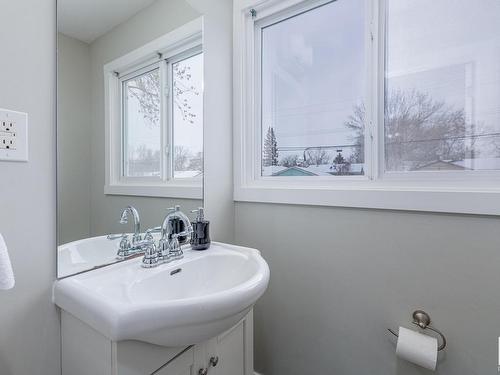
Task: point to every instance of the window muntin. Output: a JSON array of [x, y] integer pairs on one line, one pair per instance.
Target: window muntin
[[312, 89], [442, 86], [141, 125], [187, 79]]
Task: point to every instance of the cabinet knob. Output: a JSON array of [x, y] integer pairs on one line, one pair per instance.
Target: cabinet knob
[[214, 361], [203, 371]]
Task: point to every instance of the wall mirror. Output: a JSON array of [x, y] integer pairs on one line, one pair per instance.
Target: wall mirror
[[129, 123]]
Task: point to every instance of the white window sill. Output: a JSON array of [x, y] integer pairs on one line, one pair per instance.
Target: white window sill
[[165, 191], [448, 200]]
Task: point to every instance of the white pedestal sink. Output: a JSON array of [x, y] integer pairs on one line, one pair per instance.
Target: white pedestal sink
[[179, 303]]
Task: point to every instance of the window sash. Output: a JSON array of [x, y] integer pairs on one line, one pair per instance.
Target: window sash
[[264, 19], [191, 52], [124, 123]]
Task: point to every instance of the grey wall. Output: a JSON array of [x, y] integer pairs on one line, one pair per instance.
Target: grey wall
[[29, 325], [340, 277], [154, 21], [73, 139]]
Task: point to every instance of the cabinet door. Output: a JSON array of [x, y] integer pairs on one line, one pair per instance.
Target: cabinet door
[[181, 365], [231, 351]]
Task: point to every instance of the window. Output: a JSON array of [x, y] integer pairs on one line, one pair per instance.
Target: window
[[384, 104], [154, 118]]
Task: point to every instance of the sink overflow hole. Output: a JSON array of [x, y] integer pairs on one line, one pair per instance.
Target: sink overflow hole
[[175, 271]]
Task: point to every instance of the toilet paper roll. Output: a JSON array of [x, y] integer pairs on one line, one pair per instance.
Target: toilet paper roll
[[417, 348], [6, 274]]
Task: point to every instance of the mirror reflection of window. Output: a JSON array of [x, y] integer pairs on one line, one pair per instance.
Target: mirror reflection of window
[[141, 125], [188, 116], [172, 121]]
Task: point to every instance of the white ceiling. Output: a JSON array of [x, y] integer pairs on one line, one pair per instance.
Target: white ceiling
[[87, 20]]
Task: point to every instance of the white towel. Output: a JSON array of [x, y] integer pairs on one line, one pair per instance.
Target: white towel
[[6, 274]]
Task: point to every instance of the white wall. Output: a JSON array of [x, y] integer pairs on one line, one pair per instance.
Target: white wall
[[340, 277], [73, 139], [29, 325]]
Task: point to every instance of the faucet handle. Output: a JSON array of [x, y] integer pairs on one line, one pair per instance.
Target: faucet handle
[[175, 251], [175, 208], [116, 236], [148, 235], [151, 256], [124, 249]]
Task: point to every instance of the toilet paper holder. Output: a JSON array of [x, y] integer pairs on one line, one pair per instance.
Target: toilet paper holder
[[423, 320]]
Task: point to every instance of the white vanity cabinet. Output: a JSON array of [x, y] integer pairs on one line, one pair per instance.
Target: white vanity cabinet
[[86, 351]]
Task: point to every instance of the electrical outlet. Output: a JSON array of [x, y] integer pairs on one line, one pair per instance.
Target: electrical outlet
[[13, 135], [8, 142], [8, 125]]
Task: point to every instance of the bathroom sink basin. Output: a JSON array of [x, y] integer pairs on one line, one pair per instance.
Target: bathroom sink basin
[[82, 255], [180, 303], [88, 253]]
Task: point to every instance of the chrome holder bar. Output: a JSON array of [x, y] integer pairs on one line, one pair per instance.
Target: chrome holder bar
[[423, 320]]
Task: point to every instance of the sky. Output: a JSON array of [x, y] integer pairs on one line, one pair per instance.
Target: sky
[[313, 74], [314, 65]]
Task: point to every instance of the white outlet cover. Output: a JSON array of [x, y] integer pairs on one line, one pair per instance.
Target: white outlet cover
[[20, 121]]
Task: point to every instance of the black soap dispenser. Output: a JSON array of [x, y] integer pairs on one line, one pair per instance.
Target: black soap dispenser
[[200, 238]]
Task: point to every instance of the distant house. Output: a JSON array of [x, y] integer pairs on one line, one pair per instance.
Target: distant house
[[482, 164], [293, 171], [312, 170], [440, 165]]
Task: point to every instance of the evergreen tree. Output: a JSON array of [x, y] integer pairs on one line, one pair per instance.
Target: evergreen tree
[[339, 159], [270, 157], [342, 166]]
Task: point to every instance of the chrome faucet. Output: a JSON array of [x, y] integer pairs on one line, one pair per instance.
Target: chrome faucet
[[175, 231], [169, 246], [137, 222], [128, 248], [170, 239]]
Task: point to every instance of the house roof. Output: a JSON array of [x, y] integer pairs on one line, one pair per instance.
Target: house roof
[[465, 164], [293, 171], [439, 165]]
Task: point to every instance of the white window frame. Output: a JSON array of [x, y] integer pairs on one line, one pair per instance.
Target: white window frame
[[161, 53], [472, 192]]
